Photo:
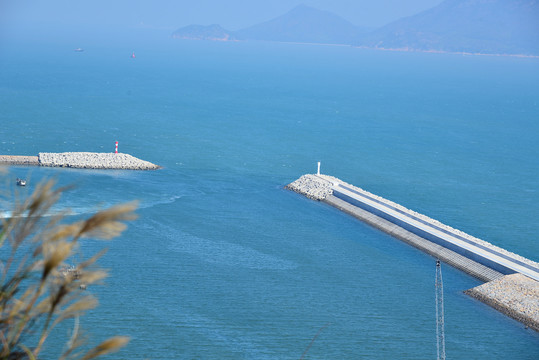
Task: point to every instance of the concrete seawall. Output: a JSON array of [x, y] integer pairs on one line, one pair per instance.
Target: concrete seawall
[[81, 160], [464, 244], [476, 257], [448, 256], [19, 160]]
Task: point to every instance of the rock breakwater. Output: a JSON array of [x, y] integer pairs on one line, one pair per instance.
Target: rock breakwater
[[89, 160], [311, 186], [320, 187], [515, 295]]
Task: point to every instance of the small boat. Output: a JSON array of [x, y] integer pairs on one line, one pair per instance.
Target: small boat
[[72, 271], [78, 50], [133, 55], [21, 182]]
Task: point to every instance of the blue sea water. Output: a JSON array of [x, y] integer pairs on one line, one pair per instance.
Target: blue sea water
[[223, 263]]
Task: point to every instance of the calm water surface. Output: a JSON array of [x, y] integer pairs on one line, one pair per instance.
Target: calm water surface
[[225, 264]]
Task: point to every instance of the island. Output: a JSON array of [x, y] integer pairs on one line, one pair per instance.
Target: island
[[467, 27]]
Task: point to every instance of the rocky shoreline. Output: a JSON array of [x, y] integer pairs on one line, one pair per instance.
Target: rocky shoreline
[[81, 160]]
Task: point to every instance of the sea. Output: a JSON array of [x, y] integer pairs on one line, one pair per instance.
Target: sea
[[223, 262]]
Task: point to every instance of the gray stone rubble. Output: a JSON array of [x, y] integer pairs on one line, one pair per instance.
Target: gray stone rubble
[[312, 187], [89, 160], [514, 295]]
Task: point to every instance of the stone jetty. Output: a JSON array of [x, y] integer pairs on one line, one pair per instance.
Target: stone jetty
[[81, 160], [515, 295], [506, 289], [19, 160], [314, 187]]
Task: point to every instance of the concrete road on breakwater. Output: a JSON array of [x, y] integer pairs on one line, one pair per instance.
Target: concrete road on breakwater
[[512, 281]]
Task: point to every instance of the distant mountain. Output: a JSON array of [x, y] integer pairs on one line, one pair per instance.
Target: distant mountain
[[301, 24], [474, 26], [304, 24], [468, 26], [201, 32]]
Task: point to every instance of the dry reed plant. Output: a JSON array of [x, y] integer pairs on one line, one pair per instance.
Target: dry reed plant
[[38, 289]]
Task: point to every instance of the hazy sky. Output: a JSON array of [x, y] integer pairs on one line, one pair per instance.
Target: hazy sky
[[171, 14]]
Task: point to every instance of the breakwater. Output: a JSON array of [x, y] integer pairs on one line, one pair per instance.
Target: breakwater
[[19, 160], [81, 160], [514, 295], [474, 256]]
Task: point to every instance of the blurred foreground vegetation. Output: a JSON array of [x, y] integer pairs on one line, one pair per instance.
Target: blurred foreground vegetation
[[44, 280]]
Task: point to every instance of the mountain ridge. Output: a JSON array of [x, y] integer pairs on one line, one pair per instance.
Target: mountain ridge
[[495, 27], [464, 26], [303, 24]]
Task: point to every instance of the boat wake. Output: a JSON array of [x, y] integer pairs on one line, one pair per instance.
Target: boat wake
[[67, 210]]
